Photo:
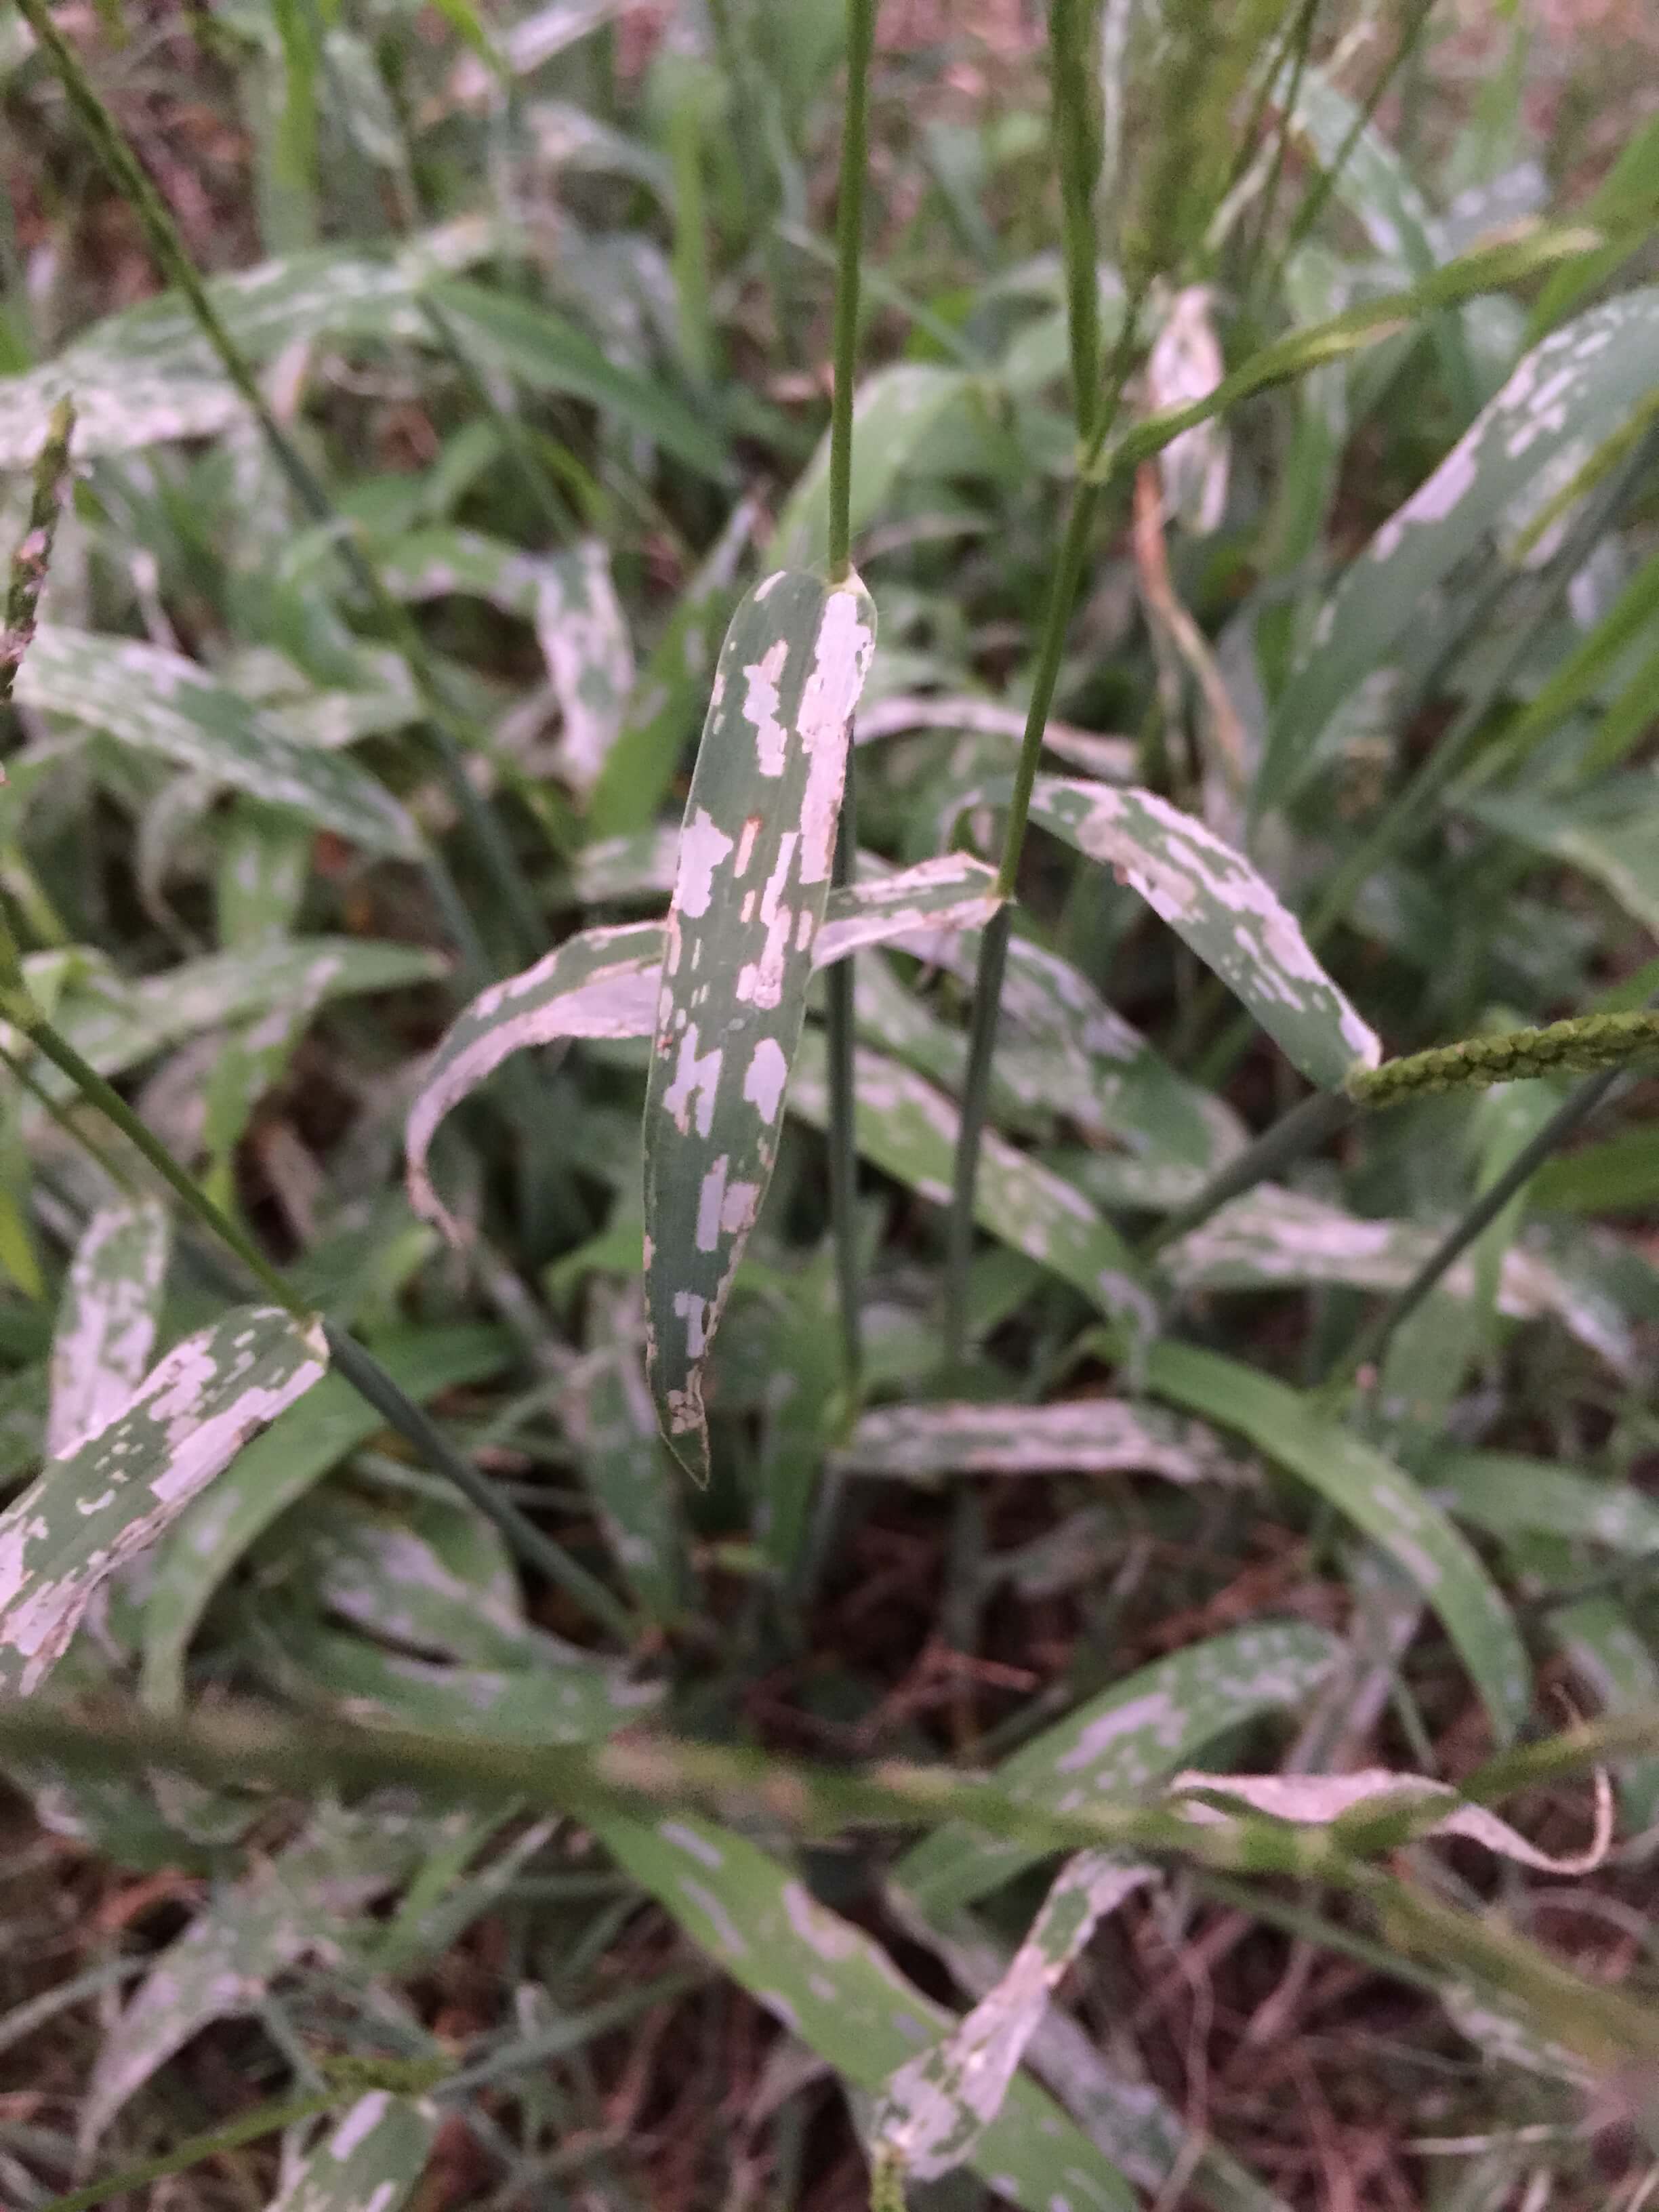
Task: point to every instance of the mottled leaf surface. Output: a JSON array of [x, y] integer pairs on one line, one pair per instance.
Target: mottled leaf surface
[[936, 2108], [107, 1319], [1217, 903], [273, 1473], [1375, 1494], [757, 847], [1118, 1745], [833, 1987], [1572, 390], [89, 1511], [369, 2160], [1080, 1436], [158, 701]]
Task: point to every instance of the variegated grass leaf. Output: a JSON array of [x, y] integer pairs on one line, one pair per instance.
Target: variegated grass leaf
[[1217, 903], [755, 854], [834, 1988], [368, 2160], [1079, 1436], [117, 1492], [107, 1319]]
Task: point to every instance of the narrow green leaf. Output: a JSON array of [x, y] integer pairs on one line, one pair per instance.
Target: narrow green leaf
[[547, 352], [1619, 1175], [273, 1473], [1117, 1746], [833, 1987], [264, 861], [755, 860], [107, 1317], [88, 1512], [1624, 202], [1377, 1497], [1615, 1662], [374, 2154], [159, 702], [1507, 1492], [1610, 831], [608, 1412], [1218, 904]]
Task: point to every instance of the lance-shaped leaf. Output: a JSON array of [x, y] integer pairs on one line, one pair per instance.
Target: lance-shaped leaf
[[1574, 388], [298, 1903], [107, 1319], [369, 2160], [1217, 903], [1081, 1435], [833, 1987], [1118, 1745], [935, 2109], [88, 1512], [1511, 1494], [160, 703], [1375, 1494], [1318, 1800], [274, 1472], [605, 983], [755, 853]]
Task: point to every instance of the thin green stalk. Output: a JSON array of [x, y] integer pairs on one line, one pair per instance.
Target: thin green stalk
[[849, 241], [1302, 34], [1072, 45], [1319, 1116], [24, 1076], [449, 726], [840, 985], [975, 1101]]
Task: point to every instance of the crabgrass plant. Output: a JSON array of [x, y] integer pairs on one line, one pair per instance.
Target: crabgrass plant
[[1051, 1460]]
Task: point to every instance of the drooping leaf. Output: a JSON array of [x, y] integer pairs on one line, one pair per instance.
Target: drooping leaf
[[832, 1986], [1116, 1746], [1079, 1436], [372, 2156], [936, 2108], [1572, 390], [1218, 904], [271, 1474], [93, 1509], [754, 859], [1614, 1663], [1375, 1494], [107, 1319], [160, 703], [286, 1907]]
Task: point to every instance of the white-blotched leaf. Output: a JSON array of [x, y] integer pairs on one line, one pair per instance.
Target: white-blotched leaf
[[1117, 1746], [1574, 388], [572, 602], [756, 848], [106, 1319], [1080, 1436], [834, 1987], [160, 703], [88, 1512], [1217, 903], [936, 2108], [1317, 1800], [1185, 364], [1377, 1496], [605, 983], [274, 1472], [369, 2160], [286, 1907]]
